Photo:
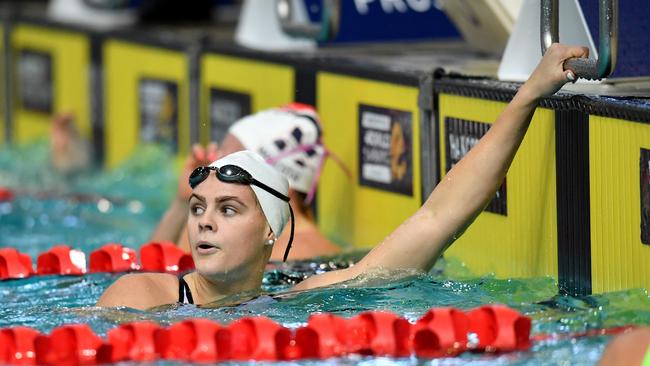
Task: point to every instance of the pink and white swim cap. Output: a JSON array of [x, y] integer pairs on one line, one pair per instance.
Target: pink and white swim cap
[[288, 138]]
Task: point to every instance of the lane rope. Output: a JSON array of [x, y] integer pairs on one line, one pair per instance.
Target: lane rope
[[160, 256], [441, 332]]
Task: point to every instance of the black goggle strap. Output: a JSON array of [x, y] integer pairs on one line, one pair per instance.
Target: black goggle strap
[[286, 252], [270, 190], [286, 199]]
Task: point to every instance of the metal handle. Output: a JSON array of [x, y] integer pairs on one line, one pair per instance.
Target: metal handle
[[327, 29], [608, 43]]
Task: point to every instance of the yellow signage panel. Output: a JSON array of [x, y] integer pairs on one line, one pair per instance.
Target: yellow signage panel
[[51, 75], [619, 176], [373, 127], [146, 98], [232, 87], [516, 236]]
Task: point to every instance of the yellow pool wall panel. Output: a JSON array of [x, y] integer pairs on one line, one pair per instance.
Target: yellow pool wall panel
[[70, 52], [619, 260], [523, 243], [268, 84], [125, 64], [348, 213]]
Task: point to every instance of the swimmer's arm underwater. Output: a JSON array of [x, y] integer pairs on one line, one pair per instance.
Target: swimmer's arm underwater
[[469, 185], [173, 221]]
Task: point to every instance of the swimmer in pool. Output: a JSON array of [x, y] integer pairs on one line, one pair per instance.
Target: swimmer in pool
[[70, 153], [289, 138], [629, 348], [238, 206]]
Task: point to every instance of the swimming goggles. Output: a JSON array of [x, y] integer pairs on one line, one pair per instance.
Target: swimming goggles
[[234, 174]]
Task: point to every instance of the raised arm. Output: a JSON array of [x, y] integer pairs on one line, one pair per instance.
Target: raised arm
[[172, 225], [469, 185]]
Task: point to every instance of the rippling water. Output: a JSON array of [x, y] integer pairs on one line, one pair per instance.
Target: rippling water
[[124, 204]]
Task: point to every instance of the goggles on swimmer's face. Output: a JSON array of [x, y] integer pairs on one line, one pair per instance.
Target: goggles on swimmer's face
[[231, 174], [234, 174]]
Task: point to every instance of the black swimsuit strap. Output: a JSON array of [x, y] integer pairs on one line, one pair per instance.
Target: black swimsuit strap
[[184, 291]]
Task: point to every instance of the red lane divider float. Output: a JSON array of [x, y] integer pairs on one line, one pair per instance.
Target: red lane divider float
[[440, 332], [369, 333], [61, 260], [74, 344], [14, 264], [500, 328], [112, 258], [165, 256], [6, 194], [130, 342], [378, 333], [323, 337], [190, 340], [252, 338], [17, 346]]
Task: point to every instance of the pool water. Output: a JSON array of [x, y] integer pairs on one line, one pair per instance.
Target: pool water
[[124, 204]]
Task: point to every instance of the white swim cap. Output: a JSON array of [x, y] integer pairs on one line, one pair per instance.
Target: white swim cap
[[275, 209], [289, 138]]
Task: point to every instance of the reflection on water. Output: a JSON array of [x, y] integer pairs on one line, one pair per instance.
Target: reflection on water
[[86, 210], [123, 205]]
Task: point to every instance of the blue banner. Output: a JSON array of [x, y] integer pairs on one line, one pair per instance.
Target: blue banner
[[388, 20], [633, 45]]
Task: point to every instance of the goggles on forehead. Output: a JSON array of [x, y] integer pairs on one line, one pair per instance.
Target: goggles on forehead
[[234, 174]]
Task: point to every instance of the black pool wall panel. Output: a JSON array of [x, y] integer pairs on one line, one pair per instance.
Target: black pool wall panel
[[573, 203]]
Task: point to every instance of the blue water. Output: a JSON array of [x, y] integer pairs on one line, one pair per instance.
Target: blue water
[[124, 204]]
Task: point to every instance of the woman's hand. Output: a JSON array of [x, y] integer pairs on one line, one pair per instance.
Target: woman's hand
[[173, 222], [549, 75], [70, 153], [197, 157]]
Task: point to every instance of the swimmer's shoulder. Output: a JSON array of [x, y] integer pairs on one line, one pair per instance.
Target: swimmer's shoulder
[[141, 291]]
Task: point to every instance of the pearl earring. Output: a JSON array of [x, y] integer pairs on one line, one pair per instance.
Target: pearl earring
[[270, 242]]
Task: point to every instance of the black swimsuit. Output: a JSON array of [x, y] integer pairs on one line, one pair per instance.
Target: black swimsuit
[[185, 296], [184, 292]]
